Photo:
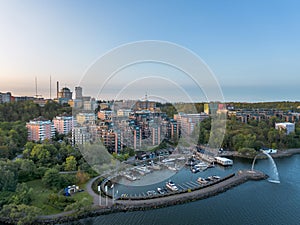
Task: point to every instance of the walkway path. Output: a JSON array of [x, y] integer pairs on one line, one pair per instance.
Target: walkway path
[[125, 205], [97, 198]]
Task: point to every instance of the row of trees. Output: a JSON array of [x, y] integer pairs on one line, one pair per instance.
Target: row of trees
[[13, 136], [171, 109], [252, 135], [285, 106], [13, 118]]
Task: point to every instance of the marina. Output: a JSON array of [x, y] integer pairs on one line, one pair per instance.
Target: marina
[[284, 199]]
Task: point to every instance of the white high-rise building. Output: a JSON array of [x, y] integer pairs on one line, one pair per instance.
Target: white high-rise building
[[80, 135], [288, 127]]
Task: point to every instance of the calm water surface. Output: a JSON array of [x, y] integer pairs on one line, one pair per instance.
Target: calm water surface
[[255, 202]]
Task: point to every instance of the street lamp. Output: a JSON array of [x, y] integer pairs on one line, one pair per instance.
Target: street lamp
[[99, 190]]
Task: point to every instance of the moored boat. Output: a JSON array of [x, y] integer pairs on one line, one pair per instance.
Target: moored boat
[[171, 186], [201, 180]]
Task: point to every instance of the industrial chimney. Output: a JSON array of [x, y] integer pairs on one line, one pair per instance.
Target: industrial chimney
[[57, 89]]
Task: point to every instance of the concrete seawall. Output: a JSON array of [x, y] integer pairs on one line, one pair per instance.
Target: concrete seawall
[[163, 201]]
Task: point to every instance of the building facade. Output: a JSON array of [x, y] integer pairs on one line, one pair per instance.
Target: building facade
[[288, 127], [5, 97], [64, 95], [63, 124], [86, 118], [78, 92], [40, 129], [80, 135], [188, 122]]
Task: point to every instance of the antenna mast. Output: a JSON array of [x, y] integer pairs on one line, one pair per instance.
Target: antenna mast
[[36, 95], [50, 86], [36, 89]]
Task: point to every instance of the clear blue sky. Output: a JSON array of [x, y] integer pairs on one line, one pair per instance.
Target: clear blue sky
[[253, 47]]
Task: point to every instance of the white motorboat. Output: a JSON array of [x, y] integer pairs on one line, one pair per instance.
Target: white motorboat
[[171, 186]]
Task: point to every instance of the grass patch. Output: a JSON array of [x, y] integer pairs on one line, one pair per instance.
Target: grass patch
[[40, 197], [84, 194]]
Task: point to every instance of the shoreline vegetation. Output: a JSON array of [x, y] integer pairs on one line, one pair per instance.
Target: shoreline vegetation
[[279, 154], [213, 189], [181, 198]]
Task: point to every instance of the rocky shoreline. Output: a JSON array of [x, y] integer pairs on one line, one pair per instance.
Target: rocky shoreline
[[279, 154], [216, 188]]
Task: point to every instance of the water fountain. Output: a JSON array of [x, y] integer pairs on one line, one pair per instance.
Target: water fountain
[[275, 176]]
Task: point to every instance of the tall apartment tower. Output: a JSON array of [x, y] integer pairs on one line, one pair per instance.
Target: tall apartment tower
[[78, 92]]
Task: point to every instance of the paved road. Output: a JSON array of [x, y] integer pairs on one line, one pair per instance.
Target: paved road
[[96, 198]]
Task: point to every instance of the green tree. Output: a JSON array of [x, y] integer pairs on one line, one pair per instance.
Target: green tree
[[23, 195], [20, 214], [8, 178], [52, 178], [70, 163], [26, 170], [40, 154]]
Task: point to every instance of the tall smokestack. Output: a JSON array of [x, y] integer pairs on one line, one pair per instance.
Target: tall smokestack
[[57, 89]]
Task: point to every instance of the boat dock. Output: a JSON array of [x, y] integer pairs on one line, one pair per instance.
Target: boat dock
[[205, 157], [190, 190]]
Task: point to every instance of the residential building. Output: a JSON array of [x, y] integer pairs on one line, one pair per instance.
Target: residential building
[[137, 138], [63, 124], [156, 136], [188, 122], [145, 105], [124, 112], [80, 135], [105, 114], [89, 105], [40, 129], [86, 118], [5, 97], [78, 92], [23, 98], [288, 127]]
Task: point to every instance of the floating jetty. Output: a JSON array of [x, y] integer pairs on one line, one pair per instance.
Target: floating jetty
[[205, 157], [142, 170]]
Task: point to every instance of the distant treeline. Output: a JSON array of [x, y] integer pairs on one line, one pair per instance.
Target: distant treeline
[[285, 105], [173, 108], [27, 110], [13, 118], [252, 136]]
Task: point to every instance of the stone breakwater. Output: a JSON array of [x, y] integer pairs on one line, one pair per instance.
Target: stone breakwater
[[159, 201]]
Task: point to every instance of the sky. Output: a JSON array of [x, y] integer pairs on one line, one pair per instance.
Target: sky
[[252, 47]]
